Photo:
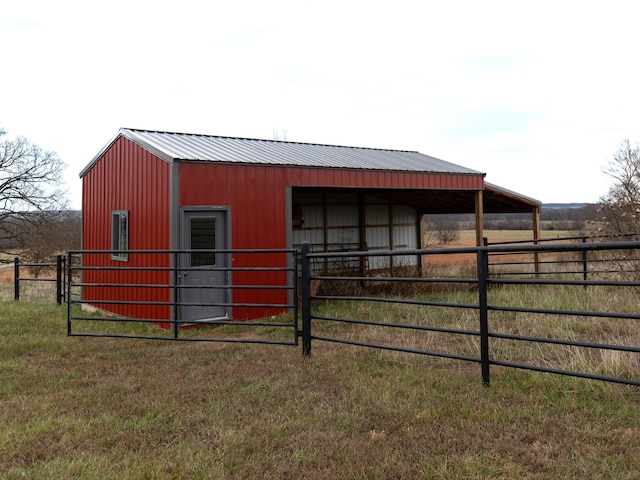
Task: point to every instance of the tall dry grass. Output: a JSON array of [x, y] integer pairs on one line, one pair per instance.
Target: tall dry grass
[[576, 328]]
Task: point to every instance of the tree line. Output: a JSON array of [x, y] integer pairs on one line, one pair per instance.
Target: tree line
[[35, 221]]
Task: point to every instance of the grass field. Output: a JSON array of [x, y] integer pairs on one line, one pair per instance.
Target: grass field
[[134, 409], [468, 237]]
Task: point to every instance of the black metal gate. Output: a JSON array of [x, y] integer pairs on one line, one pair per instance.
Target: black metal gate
[[145, 296]]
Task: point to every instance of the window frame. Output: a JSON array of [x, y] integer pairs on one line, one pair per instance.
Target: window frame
[[120, 251]]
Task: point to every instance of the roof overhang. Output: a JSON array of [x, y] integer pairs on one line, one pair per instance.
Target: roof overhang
[[495, 199]]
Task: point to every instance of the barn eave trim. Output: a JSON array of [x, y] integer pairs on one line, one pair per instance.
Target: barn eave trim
[[153, 149]]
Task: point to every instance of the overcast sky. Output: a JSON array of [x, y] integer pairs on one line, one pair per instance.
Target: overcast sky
[[536, 94]]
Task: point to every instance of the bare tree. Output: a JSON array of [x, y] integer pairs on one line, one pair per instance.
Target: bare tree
[[447, 231], [30, 184], [441, 230], [620, 207], [50, 233]]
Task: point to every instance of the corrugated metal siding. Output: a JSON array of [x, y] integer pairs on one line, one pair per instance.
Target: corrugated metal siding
[[258, 211], [180, 146], [383, 228], [129, 178]]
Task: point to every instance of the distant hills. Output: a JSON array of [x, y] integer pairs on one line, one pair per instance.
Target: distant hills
[[566, 205]]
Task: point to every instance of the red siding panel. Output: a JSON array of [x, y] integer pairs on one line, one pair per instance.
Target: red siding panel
[[130, 178], [255, 194]]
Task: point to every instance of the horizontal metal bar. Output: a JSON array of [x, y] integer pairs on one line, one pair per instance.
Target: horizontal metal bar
[[121, 319], [396, 325], [572, 343], [537, 240], [183, 287], [590, 376], [549, 262], [248, 305], [121, 302], [593, 283], [576, 313], [191, 250], [580, 237], [185, 339], [396, 300], [560, 247], [398, 349], [396, 279], [123, 285], [182, 304], [240, 323], [22, 279], [22, 264], [562, 272], [561, 261], [122, 269], [183, 269]]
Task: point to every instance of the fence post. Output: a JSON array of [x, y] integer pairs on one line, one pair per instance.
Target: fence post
[[483, 260], [306, 299], [175, 294], [584, 262], [59, 279], [67, 282], [16, 278]]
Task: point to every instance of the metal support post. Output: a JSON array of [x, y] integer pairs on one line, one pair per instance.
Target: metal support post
[[59, 279], [484, 314], [69, 279], [16, 278], [585, 266], [306, 300]]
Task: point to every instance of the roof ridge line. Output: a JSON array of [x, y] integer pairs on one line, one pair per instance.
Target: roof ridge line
[[266, 140]]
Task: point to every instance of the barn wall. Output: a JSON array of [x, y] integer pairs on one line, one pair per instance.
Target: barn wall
[[256, 194], [129, 178]]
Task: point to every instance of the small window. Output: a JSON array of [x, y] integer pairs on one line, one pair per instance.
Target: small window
[[120, 235]]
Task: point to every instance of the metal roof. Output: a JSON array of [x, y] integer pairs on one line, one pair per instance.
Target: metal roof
[[491, 187], [208, 148]]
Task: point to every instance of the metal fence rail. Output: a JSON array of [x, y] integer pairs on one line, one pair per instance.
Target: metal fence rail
[[504, 320], [147, 297], [547, 262], [486, 307]]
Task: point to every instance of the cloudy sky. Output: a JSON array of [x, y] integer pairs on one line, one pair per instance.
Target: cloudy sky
[[537, 94]]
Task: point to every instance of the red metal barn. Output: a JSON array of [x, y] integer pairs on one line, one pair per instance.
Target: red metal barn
[[148, 190]]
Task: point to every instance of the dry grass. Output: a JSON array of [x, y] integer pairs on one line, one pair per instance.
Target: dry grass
[[109, 408], [33, 290], [134, 409]]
